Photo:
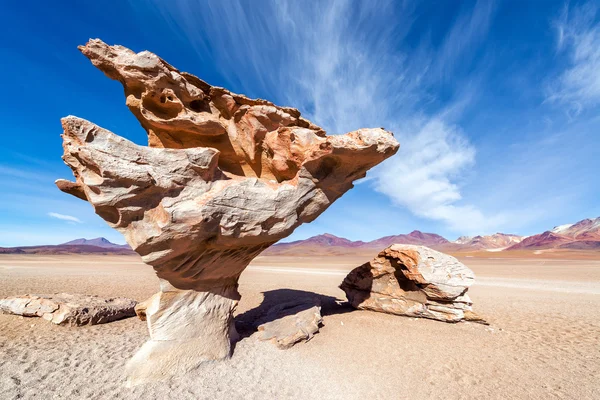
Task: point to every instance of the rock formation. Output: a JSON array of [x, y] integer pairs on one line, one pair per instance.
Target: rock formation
[[292, 322], [69, 309], [223, 178], [415, 281]]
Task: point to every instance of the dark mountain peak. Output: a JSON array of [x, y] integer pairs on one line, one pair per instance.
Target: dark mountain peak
[[98, 242], [583, 222], [324, 240], [329, 236], [417, 234], [550, 234], [332, 240], [415, 237]]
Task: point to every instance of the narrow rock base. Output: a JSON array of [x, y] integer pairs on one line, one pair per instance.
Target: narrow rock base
[[186, 328]]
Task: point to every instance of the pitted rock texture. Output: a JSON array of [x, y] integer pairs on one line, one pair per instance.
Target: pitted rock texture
[[223, 177], [178, 110], [198, 227], [198, 211], [69, 309], [414, 281]]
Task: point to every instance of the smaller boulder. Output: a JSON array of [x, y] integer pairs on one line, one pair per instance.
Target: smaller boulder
[[69, 309], [414, 281], [291, 322]]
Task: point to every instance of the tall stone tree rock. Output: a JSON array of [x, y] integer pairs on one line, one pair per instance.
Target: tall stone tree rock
[[223, 177]]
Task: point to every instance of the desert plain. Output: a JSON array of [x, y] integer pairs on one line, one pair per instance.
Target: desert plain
[[542, 341]]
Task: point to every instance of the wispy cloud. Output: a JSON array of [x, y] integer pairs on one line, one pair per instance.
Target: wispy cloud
[[424, 177], [468, 32], [25, 175], [578, 86], [64, 217], [336, 61], [343, 64]]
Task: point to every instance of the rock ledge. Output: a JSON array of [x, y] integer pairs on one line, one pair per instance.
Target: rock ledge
[[69, 309]]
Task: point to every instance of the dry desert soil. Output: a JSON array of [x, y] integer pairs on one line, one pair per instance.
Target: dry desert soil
[[543, 341]]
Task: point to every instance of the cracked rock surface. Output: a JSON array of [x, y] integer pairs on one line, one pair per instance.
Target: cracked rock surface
[[69, 309], [414, 281], [292, 322]]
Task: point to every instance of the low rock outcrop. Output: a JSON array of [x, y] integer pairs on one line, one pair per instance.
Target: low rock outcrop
[[69, 309], [414, 281], [292, 322], [223, 177]]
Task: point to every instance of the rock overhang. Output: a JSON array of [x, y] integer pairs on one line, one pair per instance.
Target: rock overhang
[[223, 177]]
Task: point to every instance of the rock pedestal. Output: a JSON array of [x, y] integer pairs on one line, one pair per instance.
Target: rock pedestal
[[186, 328], [414, 281], [223, 177]]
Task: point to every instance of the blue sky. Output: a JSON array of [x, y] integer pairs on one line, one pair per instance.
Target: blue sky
[[495, 104]]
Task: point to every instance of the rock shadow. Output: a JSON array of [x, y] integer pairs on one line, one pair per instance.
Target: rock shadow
[[358, 285], [247, 323]]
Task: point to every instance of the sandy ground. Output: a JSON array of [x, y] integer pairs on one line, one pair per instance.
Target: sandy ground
[[543, 342]]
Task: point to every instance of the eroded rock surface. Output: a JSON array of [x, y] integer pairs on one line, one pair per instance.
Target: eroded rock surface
[[415, 281], [292, 322], [223, 178], [69, 309]]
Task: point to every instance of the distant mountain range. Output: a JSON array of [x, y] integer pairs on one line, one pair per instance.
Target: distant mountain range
[[99, 242], [329, 241], [78, 246], [497, 241], [583, 235], [328, 244]]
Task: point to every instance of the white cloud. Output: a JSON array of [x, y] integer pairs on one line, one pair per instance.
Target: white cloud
[[423, 177], [65, 217], [578, 86]]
